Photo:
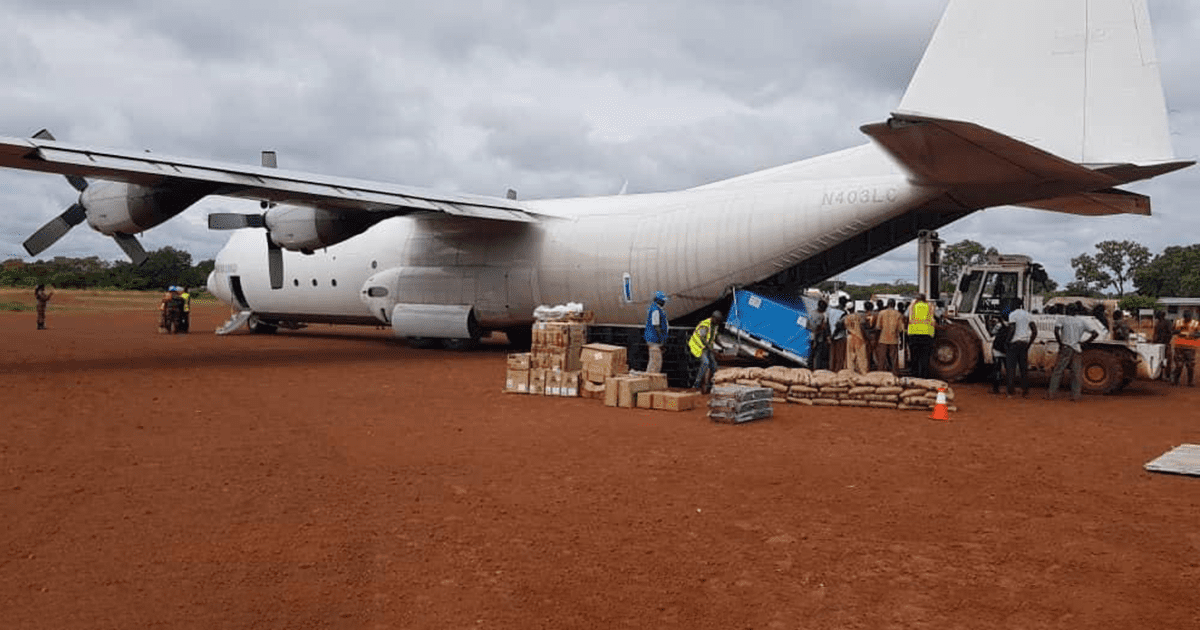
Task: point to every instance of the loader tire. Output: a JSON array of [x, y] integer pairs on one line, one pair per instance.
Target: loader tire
[[955, 353], [1102, 371]]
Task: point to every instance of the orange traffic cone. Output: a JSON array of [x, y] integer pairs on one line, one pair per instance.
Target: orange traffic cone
[[940, 412]]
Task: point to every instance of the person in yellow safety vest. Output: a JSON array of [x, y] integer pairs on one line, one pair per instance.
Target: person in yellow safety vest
[[185, 317], [920, 335], [700, 348]]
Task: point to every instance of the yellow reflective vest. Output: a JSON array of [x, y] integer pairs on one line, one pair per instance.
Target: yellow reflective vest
[[921, 320], [701, 337]]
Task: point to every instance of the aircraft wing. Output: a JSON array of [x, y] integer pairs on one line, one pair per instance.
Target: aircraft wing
[[251, 182]]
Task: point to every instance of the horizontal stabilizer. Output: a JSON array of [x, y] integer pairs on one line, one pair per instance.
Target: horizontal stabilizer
[[978, 166], [1094, 204]]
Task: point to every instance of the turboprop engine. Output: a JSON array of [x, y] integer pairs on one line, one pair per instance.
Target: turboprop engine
[[116, 209], [303, 229]]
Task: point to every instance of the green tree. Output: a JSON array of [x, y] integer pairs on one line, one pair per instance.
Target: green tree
[[1173, 273], [1090, 277], [1120, 261]]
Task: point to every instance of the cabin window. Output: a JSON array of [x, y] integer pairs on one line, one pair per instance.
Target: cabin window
[[377, 292], [314, 282], [333, 282]]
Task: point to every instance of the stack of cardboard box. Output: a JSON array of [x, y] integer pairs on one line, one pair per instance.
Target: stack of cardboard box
[[552, 366], [561, 364]]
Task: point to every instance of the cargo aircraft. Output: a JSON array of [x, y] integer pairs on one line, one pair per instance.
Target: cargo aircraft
[[1050, 104]]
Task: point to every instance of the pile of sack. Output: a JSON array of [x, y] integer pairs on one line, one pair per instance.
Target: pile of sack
[[847, 388]]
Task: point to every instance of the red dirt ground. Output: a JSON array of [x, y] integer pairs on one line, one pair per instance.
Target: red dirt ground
[[334, 478]]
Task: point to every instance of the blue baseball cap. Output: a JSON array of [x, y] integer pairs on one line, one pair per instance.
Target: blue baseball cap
[[660, 296]]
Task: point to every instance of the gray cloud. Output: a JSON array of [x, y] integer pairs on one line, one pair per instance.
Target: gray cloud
[[551, 98]]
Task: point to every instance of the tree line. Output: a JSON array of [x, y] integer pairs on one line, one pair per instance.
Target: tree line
[[1125, 270], [163, 268]]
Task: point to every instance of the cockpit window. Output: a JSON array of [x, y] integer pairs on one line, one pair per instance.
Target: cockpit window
[[377, 292]]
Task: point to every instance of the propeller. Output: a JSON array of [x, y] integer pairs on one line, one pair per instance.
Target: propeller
[[58, 227], [237, 221]]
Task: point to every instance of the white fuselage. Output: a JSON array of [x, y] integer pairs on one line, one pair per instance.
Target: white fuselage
[[609, 253]]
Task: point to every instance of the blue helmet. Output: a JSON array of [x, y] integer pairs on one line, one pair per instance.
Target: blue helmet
[[659, 296]]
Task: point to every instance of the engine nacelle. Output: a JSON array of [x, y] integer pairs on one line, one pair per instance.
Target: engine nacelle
[[118, 207], [445, 310], [305, 228], [437, 321]]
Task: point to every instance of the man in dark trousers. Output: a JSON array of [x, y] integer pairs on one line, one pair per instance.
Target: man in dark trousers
[[1017, 356], [921, 329], [42, 295], [818, 328]]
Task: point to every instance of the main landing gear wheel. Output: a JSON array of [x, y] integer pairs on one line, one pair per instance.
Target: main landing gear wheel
[[955, 353], [260, 327]]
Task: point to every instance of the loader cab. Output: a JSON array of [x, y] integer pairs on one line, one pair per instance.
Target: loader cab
[[993, 288]]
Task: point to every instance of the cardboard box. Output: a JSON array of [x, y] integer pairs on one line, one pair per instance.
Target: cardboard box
[[628, 388], [645, 400], [570, 385], [537, 382], [556, 361], [603, 360], [612, 391], [553, 382], [679, 401], [656, 399], [517, 381], [519, 361], [590, 390], [658, 380]]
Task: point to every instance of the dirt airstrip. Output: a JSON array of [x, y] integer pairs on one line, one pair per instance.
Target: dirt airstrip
[[334, 478]]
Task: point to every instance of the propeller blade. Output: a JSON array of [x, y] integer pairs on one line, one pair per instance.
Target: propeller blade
[[77, 182], [55, 229], [234, 221], [133, 249], [275, 263]]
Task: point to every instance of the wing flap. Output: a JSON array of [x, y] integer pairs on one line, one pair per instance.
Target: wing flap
[[253, 182]]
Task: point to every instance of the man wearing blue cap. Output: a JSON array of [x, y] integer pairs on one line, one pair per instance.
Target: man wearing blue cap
[[656, 332]]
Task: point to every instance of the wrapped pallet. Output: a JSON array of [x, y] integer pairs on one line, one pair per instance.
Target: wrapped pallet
[[735, 404]]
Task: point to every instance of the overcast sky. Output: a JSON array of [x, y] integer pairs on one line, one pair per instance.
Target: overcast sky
[[550, 98]]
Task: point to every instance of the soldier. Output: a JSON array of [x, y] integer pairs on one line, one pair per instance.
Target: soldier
[[1186, 329], [890, 325], [43, 295], [856, 342]]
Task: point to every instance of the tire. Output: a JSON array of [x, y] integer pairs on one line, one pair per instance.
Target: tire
[[955, 353], [423, 343], [259, 327], [460, 345], [1102, 371], [520, 339]]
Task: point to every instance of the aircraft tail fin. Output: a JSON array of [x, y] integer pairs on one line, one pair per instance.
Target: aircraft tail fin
[[1076, 78]]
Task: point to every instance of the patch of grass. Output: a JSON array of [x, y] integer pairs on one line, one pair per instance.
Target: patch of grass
[[14, 306]]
